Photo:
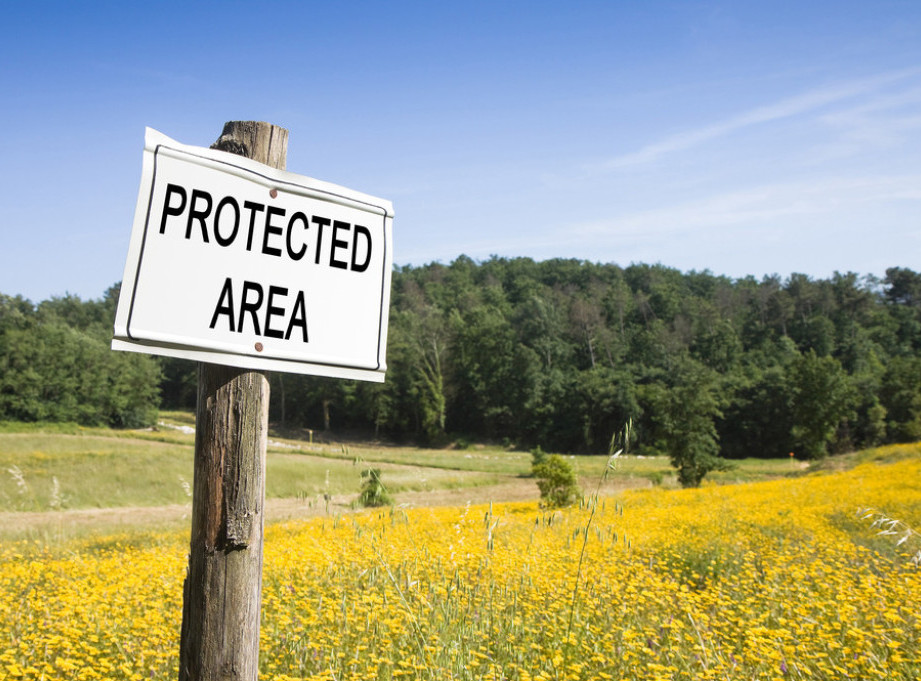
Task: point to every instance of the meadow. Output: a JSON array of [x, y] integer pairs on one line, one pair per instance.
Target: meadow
[[48, 467], [777, 577]]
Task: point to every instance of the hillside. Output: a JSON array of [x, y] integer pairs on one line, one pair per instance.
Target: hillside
[[558, 354]]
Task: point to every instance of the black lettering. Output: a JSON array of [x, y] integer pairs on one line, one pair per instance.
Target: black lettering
[[271, 229], [224, 305], [296, 255], [321, 223], [366, 233], [337, 244], [167, 209], [250, 306], [253, 208], [227, 200], [200, 215], [273, 310], [298, 317]]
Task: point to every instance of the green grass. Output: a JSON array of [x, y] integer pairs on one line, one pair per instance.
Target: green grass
[[484, 459], [179, 418], [633, 471], [45, 471], [882, 454], [304, 476], [65, 466], [42, 471]]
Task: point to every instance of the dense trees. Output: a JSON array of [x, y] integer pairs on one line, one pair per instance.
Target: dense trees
[[562, 353], [559, 354], [56, 365]]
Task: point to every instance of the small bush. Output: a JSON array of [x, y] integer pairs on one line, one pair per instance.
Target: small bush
[[557, 481], [538, 456], [373, 493], [463, 444]]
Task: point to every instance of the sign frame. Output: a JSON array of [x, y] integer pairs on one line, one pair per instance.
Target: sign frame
[[347, 352]]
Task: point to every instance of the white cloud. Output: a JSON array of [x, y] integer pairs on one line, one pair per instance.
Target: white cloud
[[882, 122], [750, 221], [785, 108], [758, 204]]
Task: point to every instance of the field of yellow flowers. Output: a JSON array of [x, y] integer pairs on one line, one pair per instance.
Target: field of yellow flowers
[[773, 580]]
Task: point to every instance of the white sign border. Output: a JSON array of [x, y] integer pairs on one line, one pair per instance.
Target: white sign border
[[156, 143]]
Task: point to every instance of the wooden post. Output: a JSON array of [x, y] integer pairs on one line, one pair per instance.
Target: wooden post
[[222, 597]]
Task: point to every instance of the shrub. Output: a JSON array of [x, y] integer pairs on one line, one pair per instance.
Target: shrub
[[373, 492], [556, 479], [538, 456]]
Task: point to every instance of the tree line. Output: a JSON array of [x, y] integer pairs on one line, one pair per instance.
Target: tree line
[[56, 365], [558, 354]]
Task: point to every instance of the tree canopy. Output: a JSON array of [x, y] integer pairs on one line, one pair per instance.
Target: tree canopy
[[56, 365], [557, 354]]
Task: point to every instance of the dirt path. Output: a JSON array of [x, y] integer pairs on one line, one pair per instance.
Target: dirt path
[[78, 522]]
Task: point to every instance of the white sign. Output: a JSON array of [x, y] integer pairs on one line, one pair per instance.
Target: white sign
[[232, 262]]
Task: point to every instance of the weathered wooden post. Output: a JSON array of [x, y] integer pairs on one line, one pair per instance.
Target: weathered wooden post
[[223, 589]]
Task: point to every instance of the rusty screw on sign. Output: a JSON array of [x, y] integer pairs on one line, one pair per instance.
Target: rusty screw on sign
[[258, 347], [273, 192]]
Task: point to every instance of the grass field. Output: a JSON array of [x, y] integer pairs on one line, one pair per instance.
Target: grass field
[[774, 578], [55, 467]]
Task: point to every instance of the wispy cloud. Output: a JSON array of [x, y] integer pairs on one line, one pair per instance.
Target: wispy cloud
[[755, 205], [881, 122], [744, 221], [785, 108]]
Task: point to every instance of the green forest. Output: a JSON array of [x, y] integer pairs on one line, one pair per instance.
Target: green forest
[[557, 354]]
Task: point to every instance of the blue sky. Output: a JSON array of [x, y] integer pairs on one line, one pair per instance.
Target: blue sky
[[747, 138]]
